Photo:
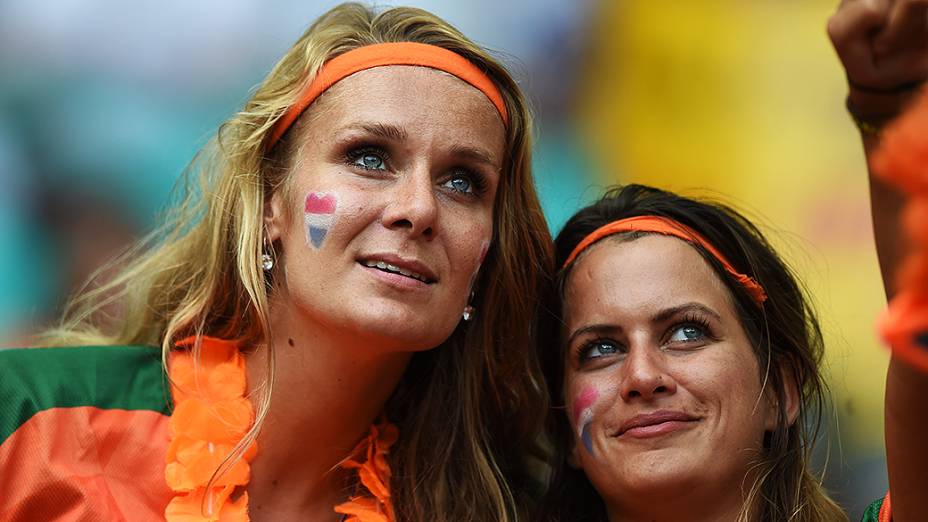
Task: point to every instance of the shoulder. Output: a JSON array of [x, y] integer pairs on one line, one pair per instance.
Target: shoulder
[[107, 377], [83, 430], [878, 511]]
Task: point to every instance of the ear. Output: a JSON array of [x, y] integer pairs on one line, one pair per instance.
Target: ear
[[275, 216], [791, 398]]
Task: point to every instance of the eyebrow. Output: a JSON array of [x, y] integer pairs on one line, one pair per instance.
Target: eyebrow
[[667, 313], [397, 133], [382, 130], [474, 154], [660, 317], [598, 329]]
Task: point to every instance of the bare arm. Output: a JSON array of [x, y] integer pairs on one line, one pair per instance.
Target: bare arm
[[883, 45], [907, 441], [885, 205]]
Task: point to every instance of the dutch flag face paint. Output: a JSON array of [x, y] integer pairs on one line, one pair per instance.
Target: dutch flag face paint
[[319, 216], [583, 429], [583, 409]]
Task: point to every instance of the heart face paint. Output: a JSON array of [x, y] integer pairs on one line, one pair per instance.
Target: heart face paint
[[583, 416], [319, 215]]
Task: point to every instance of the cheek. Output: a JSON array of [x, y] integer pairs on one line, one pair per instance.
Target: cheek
[[590, 407], [582, 412], [327, 214], [583, 402], [711, 382], [467, 249], [320, 212], [483, 254]]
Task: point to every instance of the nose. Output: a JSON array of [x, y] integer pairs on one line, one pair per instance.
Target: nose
[[412, 205], [645, 375]]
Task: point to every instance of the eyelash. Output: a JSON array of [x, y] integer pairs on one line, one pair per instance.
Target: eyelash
[[352, 156], [582, 353], [478, 180], [690, 319], [693, 319]]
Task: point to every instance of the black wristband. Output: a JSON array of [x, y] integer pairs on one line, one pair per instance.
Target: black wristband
[[902, 88], [869, 124]]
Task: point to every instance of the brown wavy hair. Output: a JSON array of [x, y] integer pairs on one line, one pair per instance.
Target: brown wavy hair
[[470, 411], [784, 333]]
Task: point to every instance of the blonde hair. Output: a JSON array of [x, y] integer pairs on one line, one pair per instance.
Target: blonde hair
[[469, 411]]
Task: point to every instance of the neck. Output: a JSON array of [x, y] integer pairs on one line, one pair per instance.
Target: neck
[[328, 389], [691, 502]]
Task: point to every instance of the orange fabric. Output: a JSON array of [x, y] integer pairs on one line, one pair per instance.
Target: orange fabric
[[374, 474], [901, 160], [393, 53], [904, 318], [886, 510], [98, 464], [903, 151], [668, 227], [211, 415]]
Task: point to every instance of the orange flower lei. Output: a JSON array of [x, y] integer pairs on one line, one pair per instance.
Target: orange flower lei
[[902, 160], [374, 474], [211, 415]]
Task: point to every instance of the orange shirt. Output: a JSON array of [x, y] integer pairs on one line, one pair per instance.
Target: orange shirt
[[83, 434]]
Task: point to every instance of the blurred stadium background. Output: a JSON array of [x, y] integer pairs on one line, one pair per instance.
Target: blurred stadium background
[[102, 103]]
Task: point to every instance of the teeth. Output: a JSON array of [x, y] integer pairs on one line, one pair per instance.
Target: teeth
[[393, 268]]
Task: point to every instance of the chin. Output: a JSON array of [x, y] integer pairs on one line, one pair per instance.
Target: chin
[[653, 473], [403, 330]]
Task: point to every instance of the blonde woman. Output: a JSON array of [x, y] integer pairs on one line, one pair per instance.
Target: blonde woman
[[341, 301]]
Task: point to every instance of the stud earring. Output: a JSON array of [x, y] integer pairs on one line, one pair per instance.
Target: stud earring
[[267, 262]]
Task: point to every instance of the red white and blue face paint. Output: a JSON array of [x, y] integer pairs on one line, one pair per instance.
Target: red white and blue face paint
[[583, 416], [319, 216]]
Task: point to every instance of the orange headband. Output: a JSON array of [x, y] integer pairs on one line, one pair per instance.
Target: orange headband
[[392, 53], [667, 227]]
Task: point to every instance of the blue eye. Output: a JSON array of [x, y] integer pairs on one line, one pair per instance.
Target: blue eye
[[597, 349], [370, 161], [688, 333], [460, 184]]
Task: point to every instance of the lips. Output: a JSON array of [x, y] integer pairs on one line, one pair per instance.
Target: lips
[[655, 423], [392, 263]]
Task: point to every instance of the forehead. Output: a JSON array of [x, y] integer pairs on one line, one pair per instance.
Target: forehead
[[418, 98], [640, 277]]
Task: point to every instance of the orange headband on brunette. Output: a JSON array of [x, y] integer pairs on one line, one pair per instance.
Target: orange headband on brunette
[[391, 53], [667, 227]]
